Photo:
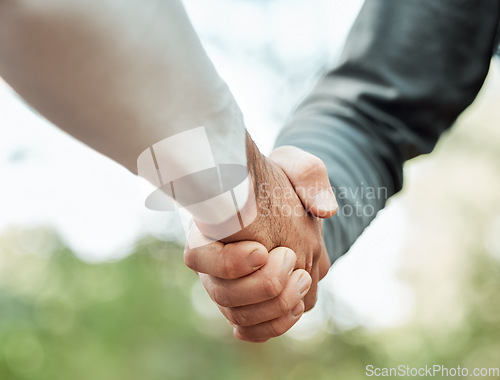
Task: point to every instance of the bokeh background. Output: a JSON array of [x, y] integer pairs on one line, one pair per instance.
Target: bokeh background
[[93, 286]]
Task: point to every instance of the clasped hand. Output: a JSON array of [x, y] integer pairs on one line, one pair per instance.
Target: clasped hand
[[265, 277]]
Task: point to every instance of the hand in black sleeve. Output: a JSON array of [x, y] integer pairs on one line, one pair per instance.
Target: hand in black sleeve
[[408, 70]]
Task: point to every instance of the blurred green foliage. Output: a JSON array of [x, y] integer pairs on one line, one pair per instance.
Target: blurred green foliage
[[146, 316], [61, 318]]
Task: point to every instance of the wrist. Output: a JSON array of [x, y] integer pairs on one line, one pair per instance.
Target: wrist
[[268, 184], [246, 196]]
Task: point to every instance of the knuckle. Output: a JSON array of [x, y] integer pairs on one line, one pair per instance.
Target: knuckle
[[242, 318], [251, 337], [220, 297], [273, 287], [308, 265], [230, 267], [190, 259], [282, 304], [317, 248], [276, 328], [228, 314]]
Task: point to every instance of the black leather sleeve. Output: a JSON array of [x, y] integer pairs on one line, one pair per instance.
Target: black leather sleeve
[[409, 68]]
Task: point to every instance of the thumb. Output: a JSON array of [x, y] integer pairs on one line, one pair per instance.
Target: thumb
[[309, 177]]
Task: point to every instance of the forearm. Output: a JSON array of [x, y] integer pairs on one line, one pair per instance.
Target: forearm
[[119, 76], [125, 78], [398, 87]]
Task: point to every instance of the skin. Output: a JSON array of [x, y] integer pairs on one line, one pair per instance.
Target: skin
[[117, 88], [261, 287], [118, 76]]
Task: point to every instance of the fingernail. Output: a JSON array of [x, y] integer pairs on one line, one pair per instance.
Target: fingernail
[[256, 258], [298, 309], [303, 284], [289, 261], [325, 200]]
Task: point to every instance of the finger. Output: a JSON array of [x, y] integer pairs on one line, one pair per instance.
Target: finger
[[227, 261], [324, 263], [249, 315], [311, 296], [309, 177], [265, 284], [270, 329]]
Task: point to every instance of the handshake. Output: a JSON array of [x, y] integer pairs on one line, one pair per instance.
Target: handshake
[[264, 277]]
